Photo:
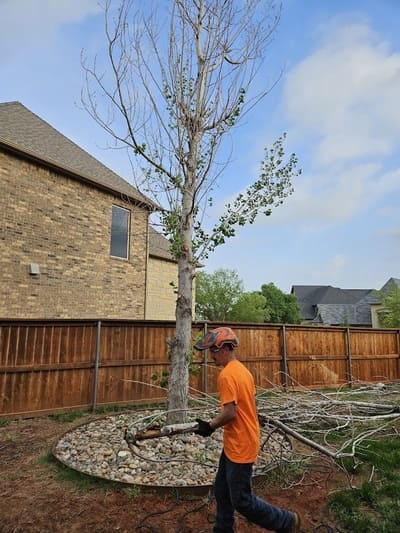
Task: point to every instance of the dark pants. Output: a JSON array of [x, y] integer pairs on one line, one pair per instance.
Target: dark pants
[[233, 492]]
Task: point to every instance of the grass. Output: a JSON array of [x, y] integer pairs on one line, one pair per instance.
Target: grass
[[82, 482], [71, 416], [283, 475], [8, 437], [375, 504], [132, 492]]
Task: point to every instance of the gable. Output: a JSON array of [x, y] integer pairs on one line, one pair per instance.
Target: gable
[[390, 284], [24, 133]]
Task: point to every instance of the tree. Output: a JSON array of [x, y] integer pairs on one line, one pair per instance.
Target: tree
[[176, 85], [220, 296], [217, 294], [389, 317], [249, 308], [282, 308]]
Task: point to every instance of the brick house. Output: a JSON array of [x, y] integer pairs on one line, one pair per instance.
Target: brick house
[[162, 279], [74, 236]]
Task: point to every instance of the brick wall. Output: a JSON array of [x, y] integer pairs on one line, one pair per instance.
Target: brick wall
[[161, 297], [64, 226]]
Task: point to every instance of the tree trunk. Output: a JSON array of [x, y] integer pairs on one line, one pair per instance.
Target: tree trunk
[[181, 348]]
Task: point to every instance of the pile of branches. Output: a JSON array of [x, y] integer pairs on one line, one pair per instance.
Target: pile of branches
[[321, 419], [334, 424]]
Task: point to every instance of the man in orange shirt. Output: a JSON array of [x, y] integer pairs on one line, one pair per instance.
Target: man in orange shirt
[[232, 487]]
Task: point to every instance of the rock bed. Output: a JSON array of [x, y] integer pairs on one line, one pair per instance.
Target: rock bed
[[99, 449]]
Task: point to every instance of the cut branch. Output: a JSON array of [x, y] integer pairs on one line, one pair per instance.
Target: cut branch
[[289, 431], [131, 436]]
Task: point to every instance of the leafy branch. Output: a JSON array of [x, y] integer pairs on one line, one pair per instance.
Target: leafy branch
[[269, 191]]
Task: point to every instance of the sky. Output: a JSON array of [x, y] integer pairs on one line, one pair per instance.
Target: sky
[[337, 63]]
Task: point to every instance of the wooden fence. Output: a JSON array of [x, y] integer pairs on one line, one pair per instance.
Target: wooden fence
[[52, 366]]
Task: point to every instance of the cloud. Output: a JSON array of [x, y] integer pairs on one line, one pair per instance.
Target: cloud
[[346, 93], [342, 103], [322, 199], [327, 199], [27, 26], [332, 269]]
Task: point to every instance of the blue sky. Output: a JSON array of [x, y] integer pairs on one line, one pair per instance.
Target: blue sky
[[337, 99]]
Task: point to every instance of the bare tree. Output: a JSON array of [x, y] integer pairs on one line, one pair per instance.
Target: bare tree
[[179, 81]]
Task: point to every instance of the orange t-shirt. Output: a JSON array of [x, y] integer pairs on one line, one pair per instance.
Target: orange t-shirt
[[242, 434]]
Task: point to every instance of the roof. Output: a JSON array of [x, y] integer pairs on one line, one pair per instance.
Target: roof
[[391, 282], [332, 305], [26, 134], [338, 314], [159, 246]]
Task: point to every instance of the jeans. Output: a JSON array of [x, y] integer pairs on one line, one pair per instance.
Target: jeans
[[233, 491]]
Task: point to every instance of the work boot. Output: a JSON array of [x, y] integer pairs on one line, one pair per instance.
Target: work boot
[[296, 523]]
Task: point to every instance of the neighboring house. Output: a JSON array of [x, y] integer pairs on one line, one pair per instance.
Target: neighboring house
[[74, 236], [324, 304]]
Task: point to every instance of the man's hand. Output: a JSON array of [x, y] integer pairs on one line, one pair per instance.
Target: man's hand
[[205, 430]]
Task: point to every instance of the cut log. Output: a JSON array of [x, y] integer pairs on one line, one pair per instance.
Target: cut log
[[132, 436]]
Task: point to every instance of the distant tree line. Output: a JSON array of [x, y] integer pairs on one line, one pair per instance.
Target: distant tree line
[[220, 296]]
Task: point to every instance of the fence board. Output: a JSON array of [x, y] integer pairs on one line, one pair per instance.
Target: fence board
[[375, 358], [48, 366]]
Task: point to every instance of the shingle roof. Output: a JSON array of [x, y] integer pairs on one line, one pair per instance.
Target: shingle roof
[[334, 306], [159, 246], [25, 133], [392, 282], [338, 314]]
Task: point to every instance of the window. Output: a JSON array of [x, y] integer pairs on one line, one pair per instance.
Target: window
[[119, 232]]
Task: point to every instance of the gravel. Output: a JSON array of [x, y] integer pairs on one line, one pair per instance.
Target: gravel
[[99, 449]]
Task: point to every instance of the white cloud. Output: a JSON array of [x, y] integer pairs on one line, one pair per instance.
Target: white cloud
[[331, 269], [346, 93], [342, 102], [325, 199], [28, 25]]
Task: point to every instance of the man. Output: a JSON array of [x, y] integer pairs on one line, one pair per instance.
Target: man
[[238, 416]]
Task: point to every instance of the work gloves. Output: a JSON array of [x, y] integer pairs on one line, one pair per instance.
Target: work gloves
[[204, 429]]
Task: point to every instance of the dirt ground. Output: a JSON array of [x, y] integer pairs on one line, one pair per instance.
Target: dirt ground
[[34, 499]]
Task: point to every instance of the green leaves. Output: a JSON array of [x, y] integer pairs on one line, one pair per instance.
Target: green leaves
[[266, 193], [282, 308], [389, 316], [250, 307], [217, 293], [220, 296]]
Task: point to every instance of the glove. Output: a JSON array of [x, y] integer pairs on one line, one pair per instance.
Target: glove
[[204, 429]]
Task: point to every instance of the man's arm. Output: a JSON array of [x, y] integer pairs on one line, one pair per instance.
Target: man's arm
[[226, 415]]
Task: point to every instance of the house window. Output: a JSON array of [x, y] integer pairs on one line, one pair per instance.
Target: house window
[[119, 232]]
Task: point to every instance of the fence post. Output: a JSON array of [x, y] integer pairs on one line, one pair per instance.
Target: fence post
[[96, 365], [348, 355], [398, 351], [284, 357], [205, 364]]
